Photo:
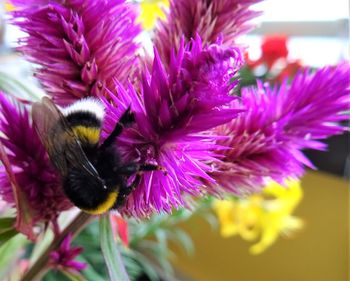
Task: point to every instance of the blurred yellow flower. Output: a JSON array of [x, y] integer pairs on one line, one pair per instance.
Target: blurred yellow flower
[[265, 215], [151, 10], [9, 7]]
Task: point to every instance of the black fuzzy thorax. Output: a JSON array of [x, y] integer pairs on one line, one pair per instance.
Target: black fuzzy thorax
[[85, 190], [83, 118]]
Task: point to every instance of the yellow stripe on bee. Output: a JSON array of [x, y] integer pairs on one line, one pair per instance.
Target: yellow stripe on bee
[[89, 134], [105, 206]]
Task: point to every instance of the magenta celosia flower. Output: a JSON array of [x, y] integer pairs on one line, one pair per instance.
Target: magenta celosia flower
[[28, 167], [208, 18], [79, 44], [172, 110], [63, 257], [267, 139]]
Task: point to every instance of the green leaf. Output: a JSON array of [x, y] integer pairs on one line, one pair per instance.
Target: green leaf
[[9, 252], [7, 229], [155, 254], [55, 275], [7, 235], [113, 259], [181, 237], [161, 236], [146, 265], [90, 272], [133, 267], [38, 248], [7, 223], [73, 277], [212, 220]]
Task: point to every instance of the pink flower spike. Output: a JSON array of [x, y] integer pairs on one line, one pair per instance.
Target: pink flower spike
[[29, 176], [267, 140], [213, 20], [63, 257], [81, 45], [174, 112]]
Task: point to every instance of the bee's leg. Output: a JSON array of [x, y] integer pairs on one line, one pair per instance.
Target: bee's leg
[[131, 169], [125, 191], [125, 120]]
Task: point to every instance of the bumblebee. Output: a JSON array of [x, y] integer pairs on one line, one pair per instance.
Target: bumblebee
[[93, 175]]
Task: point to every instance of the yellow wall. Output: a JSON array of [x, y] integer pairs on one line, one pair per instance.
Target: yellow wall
[[320, 252]]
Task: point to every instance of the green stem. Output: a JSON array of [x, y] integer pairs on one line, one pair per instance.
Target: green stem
[[111, 254], [39, 268]]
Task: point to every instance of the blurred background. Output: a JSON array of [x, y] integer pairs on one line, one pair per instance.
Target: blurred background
[[290, 35], [316, 34]]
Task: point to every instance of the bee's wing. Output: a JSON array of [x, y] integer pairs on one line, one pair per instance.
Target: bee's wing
[[58, 138]]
